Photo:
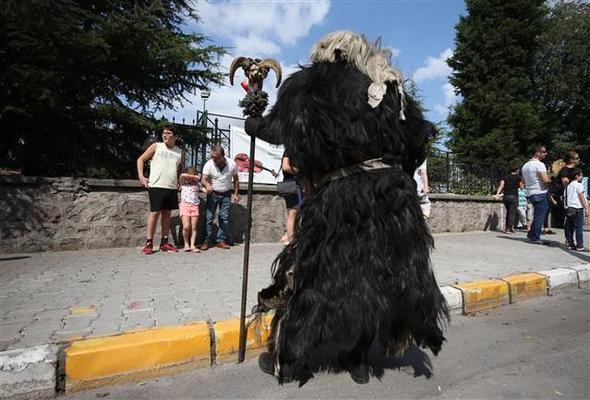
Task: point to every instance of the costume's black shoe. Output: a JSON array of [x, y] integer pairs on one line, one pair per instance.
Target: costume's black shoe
[[359, 373], [266, 363], [286, 373]]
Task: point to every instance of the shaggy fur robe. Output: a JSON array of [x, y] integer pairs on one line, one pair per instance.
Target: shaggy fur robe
[[360, 259]]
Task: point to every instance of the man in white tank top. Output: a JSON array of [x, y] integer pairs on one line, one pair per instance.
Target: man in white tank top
[[166, 161]]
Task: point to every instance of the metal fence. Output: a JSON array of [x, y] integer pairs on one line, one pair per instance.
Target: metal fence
[[204, 132], [447, 175]]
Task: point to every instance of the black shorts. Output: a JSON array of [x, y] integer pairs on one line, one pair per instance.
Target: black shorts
[[294, 200], [163, 199]]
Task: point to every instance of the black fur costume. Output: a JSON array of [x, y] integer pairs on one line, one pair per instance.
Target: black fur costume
[[360, 258]]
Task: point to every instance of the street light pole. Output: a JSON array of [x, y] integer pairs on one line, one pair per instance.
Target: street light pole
[[205, 93]]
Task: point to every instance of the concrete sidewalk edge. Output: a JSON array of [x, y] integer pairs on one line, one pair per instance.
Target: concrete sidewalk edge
[[158, 351]]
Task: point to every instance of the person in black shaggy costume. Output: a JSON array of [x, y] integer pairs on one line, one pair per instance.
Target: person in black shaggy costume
[[358, 271]]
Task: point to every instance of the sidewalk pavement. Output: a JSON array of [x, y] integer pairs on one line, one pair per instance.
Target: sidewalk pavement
[[51, 297], [74, 320]]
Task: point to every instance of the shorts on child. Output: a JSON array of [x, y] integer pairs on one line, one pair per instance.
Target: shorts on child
[[163, 199], [189, 209]]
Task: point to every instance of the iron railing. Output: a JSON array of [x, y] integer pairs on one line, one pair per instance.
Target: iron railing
[[448, 175]]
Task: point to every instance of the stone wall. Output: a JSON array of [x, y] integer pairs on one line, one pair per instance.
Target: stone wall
[[40, 214]]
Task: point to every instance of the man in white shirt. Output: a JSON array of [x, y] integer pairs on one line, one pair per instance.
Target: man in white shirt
[[536, 180], [220, 178]]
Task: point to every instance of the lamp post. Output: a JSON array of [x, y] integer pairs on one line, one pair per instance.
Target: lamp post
[[205, 93]]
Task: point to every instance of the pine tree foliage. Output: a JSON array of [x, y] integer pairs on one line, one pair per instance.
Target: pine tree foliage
[[498, 119], [80, 80], [562, 77]]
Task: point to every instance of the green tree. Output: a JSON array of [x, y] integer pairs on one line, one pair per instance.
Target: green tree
[[80, 80], [562, 77], [497, 119]]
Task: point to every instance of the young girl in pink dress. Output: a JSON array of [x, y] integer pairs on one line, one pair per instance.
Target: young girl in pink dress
[[190, 187]]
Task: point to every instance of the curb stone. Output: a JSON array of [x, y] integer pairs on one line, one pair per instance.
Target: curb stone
[[454, 299], [123, 357], [560, 278], [526, 286], [583, 271], [136, 355], [29, 371], [483, 294]]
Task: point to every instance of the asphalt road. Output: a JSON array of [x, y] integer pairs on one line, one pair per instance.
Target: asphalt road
[[537, 349]]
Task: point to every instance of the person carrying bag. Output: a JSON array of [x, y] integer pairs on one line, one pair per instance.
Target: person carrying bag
[[291, 191]]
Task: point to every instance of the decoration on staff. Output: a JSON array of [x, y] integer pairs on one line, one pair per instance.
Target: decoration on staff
[[256, 70]]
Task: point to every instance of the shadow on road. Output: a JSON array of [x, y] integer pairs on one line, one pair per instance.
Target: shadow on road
[[584, 256], [13, 258], [326, 359]]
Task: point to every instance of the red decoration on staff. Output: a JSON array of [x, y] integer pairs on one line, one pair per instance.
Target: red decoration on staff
[[244, 85]]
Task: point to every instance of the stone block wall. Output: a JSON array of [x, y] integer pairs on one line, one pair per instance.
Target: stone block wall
[[41, 214]]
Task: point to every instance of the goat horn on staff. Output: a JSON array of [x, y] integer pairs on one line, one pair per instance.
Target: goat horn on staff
[[275, 66], [243, 62], [255, 70]]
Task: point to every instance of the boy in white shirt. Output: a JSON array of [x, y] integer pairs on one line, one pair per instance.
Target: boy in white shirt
[[574, 201]]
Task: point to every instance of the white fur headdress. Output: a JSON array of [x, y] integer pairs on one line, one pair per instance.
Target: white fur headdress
[[367, 58]]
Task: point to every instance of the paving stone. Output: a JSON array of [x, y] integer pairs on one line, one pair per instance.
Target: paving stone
[[66, 335], [76, 324], [11, 331], [145, 319], [102, 327], [33, 337], [6, 344], [126, 327]]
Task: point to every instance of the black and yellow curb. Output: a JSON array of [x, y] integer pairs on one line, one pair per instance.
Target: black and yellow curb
[[159, 351], [490, 293], [136, 355], [141, 354]]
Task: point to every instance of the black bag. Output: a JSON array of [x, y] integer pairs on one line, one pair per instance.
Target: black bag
[[287, 188]]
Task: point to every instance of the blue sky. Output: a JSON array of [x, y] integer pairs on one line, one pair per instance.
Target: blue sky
[[421, 34]]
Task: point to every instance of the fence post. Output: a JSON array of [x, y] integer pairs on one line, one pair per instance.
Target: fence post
[[448, 172]]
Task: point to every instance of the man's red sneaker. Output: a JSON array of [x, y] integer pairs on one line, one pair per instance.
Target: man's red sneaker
[[168, 247], [147, 249]]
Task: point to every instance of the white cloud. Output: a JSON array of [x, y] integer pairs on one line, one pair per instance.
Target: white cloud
[[434, 67], [394, 52], [269, 25], [450, 99], [252, 29]]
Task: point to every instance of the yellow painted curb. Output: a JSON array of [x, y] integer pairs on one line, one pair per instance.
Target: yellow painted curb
[[526, 286], [136, 355], [480, 295], [227, 337]]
